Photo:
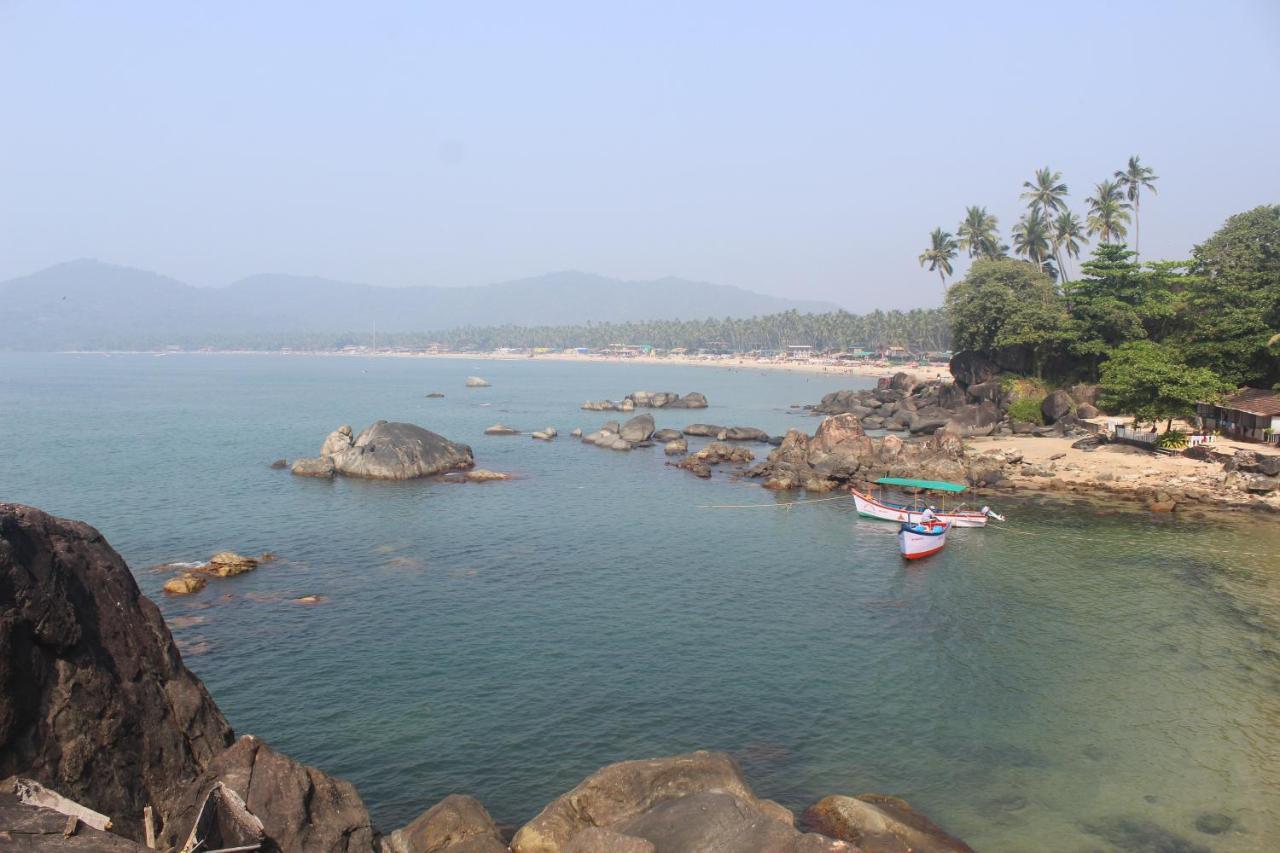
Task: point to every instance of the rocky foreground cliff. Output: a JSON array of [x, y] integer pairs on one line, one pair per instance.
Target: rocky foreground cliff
[[97, 706]]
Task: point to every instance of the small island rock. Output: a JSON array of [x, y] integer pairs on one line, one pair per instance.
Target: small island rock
[[476, 382], [185, 584], [228, 564], [400, 451], [501, 429]]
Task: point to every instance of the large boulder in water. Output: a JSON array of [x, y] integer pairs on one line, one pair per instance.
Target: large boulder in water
[[301, 808], [457, 823], [319, 467], [692, 400], [337, 441], [95, 702], [710, 430], [476, 382], [883, 824], [400, 451], [639, 428], [743, 434]]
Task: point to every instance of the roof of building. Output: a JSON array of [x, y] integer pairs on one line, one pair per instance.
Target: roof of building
[[1255, 401]]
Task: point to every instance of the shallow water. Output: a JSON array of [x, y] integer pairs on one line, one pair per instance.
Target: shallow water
[[1079, 679]]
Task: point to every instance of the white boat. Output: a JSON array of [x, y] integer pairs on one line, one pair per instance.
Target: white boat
[[921, 540], [873, 507]]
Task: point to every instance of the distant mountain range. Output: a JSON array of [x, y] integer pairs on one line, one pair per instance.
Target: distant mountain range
[[86, 304]]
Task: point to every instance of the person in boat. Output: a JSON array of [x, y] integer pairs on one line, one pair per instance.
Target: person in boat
[[928, 516]]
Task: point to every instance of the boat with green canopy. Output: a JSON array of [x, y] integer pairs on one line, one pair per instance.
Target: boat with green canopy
[[871, 506]]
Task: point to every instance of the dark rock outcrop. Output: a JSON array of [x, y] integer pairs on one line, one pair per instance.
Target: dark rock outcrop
[[881, 824], [95, 702], [971, 368], [35, 829], [456, 824], [301, 808], [1057, 406]]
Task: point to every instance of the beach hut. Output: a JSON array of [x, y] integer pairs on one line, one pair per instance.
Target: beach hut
[[1251, 414]]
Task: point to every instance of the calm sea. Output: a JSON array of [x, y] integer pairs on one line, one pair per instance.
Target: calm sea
[[1075, 680]]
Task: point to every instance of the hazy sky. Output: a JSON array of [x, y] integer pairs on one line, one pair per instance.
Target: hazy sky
[[800, 149]]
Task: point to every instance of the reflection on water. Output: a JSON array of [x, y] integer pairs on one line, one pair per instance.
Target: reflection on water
[[1078, 679]]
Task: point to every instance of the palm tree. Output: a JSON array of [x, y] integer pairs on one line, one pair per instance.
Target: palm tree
[[1108, 212], [1133, 179], [1068, 234], [942, 248], [1048, 193], [1031, 237], [978, 234]]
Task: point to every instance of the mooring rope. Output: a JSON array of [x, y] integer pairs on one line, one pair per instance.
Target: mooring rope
[[775, 505]]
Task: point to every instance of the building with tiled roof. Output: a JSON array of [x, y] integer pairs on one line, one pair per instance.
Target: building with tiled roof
[[1250, 413]]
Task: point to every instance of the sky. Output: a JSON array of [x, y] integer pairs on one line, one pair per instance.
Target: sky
[[799, 149]]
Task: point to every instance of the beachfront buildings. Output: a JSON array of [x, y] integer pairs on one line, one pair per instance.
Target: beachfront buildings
[[1252, 414]]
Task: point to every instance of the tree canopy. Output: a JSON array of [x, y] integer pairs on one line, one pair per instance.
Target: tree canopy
[[1150, 381]]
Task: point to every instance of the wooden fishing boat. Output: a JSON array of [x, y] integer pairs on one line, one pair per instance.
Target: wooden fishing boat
[[870, 506], [922, 539]]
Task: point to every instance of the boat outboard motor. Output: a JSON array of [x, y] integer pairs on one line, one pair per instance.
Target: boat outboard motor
[[986, 510]]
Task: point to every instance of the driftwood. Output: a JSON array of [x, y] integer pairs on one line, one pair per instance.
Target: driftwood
[[224, 824], [149, 826], [32, 793]]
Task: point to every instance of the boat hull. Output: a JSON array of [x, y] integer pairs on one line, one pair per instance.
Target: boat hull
[[869, 507], [916, 541]]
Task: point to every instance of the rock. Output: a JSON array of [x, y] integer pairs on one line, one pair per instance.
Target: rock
[[883, 824], [576, 433], [639, 428], [676, 447], [95, 702], [501, 429], [1140, 834], [743, 434], [1090, 442], [481, 475], [692, 400], [1024, 427], [1056, 406], [457, 823], [619, 444], [904, 382], [435, 395], [707, 430], [666, 435], [720, 822], [971, 368], [32, 828], [400, 451], [696, 467], [611, 426], [320, 467], [185, 584], [228, 564], [301, 808], [1214, 823], [929, 420], [599, 406], [974, 420], [1085, 393], [476, 382], [1162, 506], [1258, 463], [279, 464], [337, 441], [776, 440], [545, 434], [594, 839], [1085, 411], [625, 790], [836, 430], [989, 392]]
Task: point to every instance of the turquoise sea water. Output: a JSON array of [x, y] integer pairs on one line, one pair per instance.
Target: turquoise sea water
[[1080, 679]]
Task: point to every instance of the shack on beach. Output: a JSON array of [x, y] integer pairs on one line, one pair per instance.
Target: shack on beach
[[1250, 414]]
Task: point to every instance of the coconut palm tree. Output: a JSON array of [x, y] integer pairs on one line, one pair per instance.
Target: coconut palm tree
[[978, 234], [1108, 212], [942, 248], [1133, 179], [1031, 237], [1047, 193], [1068, 234]]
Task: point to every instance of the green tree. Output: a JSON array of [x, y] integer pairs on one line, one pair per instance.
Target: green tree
[[1108, 213], [1047, 193], [1068, 234], [1150, 381], [941, 251], [1010, 308], [978, 233], [1234, 299], [1133, 179], [1031, 238]]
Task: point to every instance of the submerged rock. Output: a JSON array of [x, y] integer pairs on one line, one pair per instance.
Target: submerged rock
[[279, 464], [95, 702], [887, 824], [480, 475], [435, 395], [1140, 834]]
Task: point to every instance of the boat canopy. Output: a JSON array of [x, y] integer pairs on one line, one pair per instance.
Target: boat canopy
[[932, 485]]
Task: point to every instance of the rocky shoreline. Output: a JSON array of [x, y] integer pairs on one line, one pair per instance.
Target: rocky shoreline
[[97, 707]]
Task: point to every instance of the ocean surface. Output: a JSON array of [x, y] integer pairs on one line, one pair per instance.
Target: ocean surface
[[1076, 679]]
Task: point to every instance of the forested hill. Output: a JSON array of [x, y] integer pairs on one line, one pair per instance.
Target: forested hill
[[90, 305]]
